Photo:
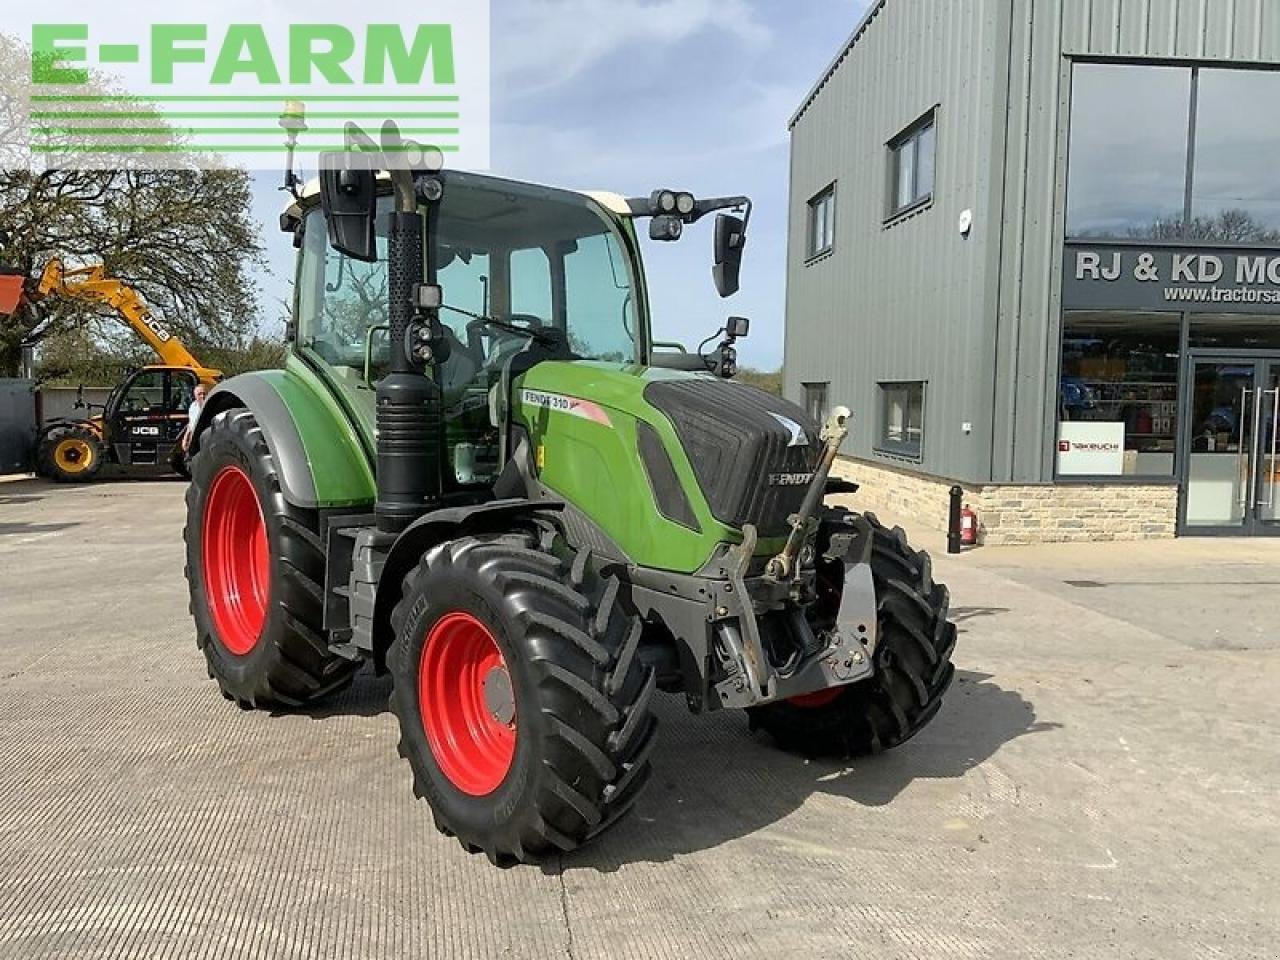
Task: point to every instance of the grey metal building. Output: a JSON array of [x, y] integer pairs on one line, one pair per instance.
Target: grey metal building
[[1035, 245]]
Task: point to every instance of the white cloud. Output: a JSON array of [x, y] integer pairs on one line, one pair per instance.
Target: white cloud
[[543, 44]]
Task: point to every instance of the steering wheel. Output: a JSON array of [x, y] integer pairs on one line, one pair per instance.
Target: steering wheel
[[506, 334]]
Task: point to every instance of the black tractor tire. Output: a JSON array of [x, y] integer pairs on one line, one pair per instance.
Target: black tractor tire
[[912, 660], [70, 454], [580, 727], [275, 654]]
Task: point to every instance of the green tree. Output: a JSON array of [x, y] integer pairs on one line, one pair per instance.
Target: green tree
[[184, 238], [768, 380]]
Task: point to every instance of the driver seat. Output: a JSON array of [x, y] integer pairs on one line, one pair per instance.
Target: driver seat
[[459, 371]]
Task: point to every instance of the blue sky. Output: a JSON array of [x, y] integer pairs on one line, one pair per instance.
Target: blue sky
[[630, 95]]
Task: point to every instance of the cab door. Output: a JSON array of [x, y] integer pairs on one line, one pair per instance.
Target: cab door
[[141, 423], [182, 392]]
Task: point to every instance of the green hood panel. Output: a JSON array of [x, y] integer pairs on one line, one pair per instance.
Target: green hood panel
[[581, 417]]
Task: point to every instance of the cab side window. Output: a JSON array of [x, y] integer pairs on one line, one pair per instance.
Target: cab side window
[[146, 393], [342, 301], [182, 391]]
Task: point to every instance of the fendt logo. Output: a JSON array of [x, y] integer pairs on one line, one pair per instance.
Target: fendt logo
[[142, 90]]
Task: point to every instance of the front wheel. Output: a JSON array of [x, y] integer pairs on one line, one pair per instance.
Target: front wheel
[[70, 454], [523, 708], [912, 664], [255, 570]]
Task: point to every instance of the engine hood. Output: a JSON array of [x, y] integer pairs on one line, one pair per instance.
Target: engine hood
[[752, 454]]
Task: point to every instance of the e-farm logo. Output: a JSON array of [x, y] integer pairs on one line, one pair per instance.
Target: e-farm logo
[[324, 50], [148, 91]]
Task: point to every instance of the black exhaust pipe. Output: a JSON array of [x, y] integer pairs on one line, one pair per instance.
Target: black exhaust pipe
[[409, 423]]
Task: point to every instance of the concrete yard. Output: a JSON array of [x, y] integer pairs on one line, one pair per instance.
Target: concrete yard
[[1102, 781]]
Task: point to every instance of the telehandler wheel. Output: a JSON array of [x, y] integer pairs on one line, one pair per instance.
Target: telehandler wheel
[[255, 569], [912, 660], [524, 710], [70, 454]]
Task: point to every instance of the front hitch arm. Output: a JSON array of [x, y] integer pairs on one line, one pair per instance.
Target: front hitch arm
[[783, 566]]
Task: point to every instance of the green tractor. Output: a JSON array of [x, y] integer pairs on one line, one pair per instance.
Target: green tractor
[[476, 472]]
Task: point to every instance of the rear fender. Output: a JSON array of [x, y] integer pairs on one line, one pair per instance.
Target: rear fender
[[94, 426], [316, 449], [435, 528]]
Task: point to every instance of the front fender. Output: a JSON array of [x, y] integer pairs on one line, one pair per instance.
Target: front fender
[[427, 531], [316, 448], [94, 426]]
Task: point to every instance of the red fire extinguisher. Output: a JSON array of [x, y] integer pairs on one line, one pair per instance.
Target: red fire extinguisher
[[968, 526]]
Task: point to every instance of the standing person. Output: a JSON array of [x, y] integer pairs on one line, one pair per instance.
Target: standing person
[[193, 414]]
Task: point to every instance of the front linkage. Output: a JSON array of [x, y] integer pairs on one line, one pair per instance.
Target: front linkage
[[743, 634]]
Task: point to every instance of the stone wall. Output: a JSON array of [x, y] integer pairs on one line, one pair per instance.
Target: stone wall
[[1021, 513]]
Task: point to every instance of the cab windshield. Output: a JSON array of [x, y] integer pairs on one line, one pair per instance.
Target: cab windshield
[[528, 258]]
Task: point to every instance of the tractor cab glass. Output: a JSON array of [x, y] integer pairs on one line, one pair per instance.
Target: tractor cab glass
[[523, 257]]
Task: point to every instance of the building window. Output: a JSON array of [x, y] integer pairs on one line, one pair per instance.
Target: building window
[[1118, 395], [1127, 173], [902, 419], [912, 163], [815, 401], [822, 222], [1235, 195]]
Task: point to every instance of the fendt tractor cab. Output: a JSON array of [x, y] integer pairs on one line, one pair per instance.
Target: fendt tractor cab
[[475, 472]]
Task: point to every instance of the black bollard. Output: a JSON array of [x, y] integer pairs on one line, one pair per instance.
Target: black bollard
[[953, 524]]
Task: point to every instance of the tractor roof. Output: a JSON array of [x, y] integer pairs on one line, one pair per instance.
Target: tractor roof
[[613, 202]]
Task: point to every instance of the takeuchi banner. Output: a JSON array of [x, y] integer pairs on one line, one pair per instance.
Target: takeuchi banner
[[216, 84], [1103, 276]]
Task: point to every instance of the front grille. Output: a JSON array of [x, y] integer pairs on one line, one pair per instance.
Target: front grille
[[739, 441]]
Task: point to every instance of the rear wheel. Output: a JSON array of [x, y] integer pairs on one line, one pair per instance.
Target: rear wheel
[[255, 570], [70, 454], [912, 663], [523, 707]]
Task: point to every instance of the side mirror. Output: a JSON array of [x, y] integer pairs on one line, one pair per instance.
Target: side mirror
[[731, 238], [737, 327], [349, 198]]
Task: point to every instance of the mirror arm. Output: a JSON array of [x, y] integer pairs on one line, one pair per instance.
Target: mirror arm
[[401, 176], [713, 204]]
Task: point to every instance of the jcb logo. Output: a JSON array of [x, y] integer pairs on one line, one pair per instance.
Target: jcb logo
[[153, 325]]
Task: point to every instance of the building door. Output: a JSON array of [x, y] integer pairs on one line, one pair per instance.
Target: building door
[[1232, 466]]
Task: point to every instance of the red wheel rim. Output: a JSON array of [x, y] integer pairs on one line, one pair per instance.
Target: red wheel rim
[[237, 561], [467, 702], [819, 698]]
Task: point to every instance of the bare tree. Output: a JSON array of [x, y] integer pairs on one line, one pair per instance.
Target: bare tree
[[184, 237], [1227, 226]]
